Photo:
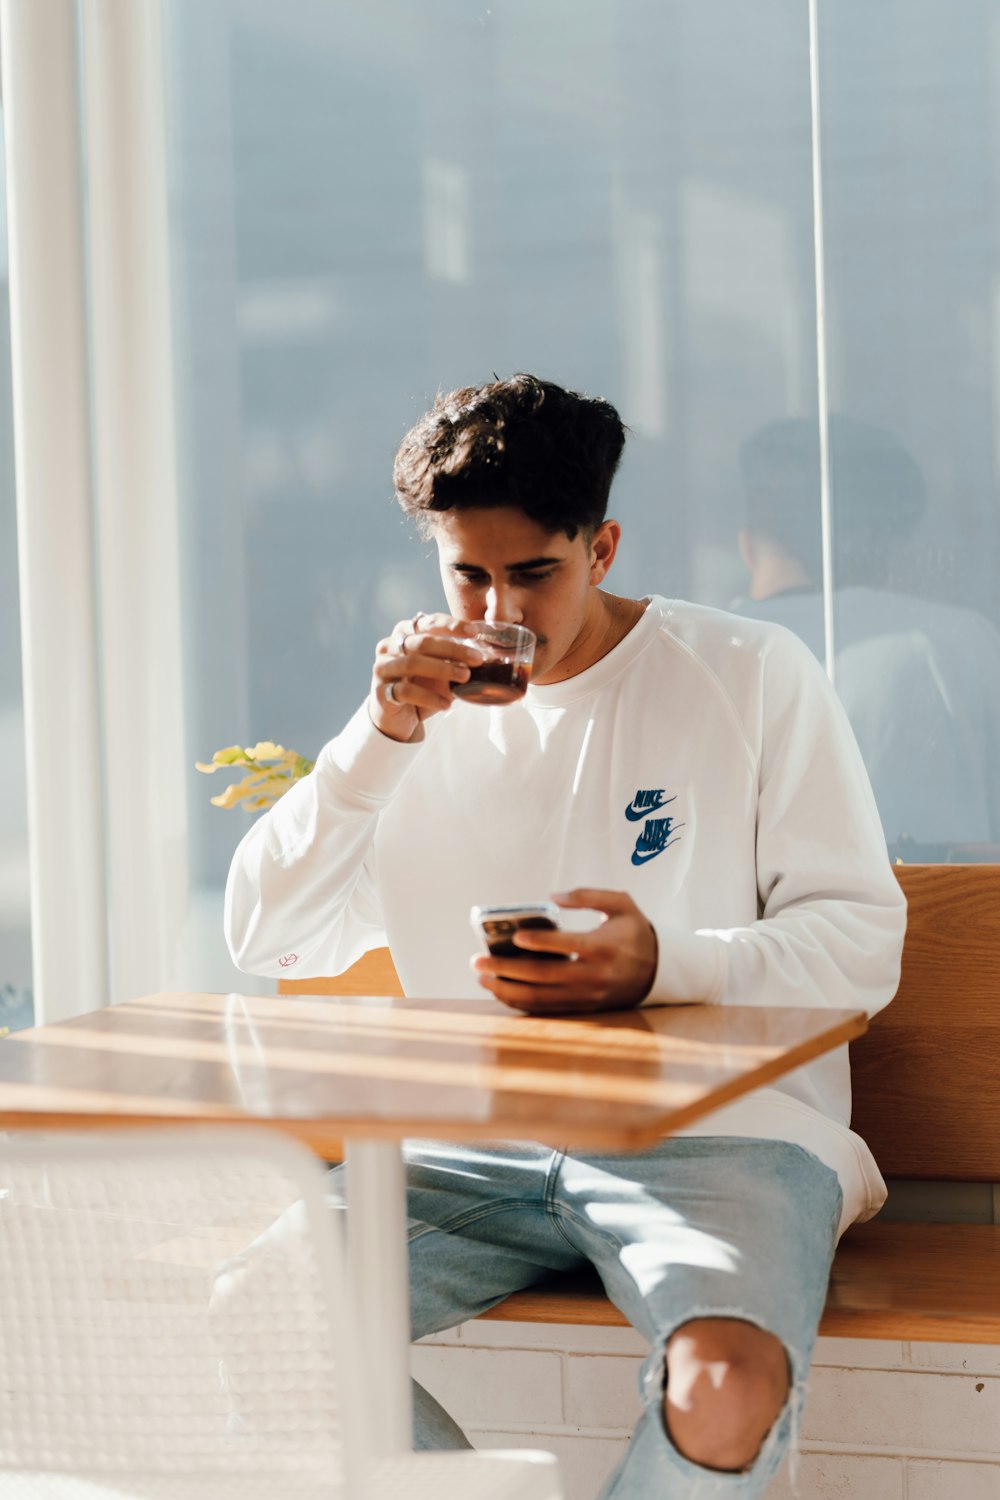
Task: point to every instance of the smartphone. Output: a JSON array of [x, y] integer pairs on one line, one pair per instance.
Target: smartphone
[[497, 925]]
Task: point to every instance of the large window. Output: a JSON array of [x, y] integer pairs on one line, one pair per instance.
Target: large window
[[372, 202], [367, 203]]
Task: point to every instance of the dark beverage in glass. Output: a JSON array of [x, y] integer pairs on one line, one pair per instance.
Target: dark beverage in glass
[[499, 680], [503, 676]]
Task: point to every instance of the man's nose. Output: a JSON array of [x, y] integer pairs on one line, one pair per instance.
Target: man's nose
[[502, 605]]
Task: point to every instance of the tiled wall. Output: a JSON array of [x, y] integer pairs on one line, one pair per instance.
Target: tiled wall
[[883, 1421]]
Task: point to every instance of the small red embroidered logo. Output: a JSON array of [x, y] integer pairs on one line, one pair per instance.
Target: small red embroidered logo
[[288, 960]]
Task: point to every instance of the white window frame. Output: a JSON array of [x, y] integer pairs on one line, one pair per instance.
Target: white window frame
[[103, 689]]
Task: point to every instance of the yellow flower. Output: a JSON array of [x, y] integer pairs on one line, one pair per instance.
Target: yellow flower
[[273, 770], [267, 750]]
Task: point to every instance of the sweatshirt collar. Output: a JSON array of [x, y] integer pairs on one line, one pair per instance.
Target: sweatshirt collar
[[620, 657]]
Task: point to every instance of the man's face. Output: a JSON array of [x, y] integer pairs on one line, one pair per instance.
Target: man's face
[[497, 564]]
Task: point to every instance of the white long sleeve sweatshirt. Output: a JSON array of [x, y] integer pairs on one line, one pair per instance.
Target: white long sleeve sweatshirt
[[704, 766]]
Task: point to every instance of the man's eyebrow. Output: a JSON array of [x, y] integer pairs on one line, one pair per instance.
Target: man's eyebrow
[[514, 567]]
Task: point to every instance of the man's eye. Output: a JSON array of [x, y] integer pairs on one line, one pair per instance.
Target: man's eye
[[532, 577]]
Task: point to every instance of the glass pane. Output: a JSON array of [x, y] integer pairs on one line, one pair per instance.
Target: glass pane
[[911, 161], [15, 907], [374, 202]]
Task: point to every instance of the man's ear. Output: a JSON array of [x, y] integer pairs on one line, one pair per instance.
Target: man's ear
[[603, 546]]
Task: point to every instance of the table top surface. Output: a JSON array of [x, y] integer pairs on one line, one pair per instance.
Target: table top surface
[[375, 1068]]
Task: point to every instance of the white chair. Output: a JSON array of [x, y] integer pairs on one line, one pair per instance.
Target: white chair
[[114, 1381]]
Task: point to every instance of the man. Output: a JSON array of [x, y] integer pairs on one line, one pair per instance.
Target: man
[[686, 775], [920, 680]]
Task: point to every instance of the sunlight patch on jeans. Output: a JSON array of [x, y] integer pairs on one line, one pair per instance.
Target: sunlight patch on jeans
[[648, 1260]]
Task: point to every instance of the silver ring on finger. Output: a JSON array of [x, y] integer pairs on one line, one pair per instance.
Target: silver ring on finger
[[390, 693], [399, 643]]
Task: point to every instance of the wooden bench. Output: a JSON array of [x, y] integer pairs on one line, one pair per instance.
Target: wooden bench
[[927, 1100]]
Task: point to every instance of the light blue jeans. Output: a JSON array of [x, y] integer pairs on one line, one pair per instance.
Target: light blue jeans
[[695, 1227]]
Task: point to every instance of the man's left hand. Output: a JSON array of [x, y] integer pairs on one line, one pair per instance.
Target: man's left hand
[[610, 968]]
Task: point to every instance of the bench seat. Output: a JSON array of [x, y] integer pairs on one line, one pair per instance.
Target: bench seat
[[936, 1283]]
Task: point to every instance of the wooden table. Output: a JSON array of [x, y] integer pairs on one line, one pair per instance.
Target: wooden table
[[370, 1071]]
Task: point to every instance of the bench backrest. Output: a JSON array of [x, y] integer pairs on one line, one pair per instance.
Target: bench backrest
[[373, 974], [927, 1075]]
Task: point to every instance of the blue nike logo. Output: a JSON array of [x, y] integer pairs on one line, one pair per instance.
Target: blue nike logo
[[657, 835], [639, 858], [644, 804]]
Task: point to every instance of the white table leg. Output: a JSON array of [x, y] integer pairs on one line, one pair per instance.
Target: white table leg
[[378, 1271]]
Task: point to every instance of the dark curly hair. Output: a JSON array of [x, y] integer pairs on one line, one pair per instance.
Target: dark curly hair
[[521, 442]]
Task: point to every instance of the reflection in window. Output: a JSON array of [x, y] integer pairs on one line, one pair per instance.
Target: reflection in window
[[919, 678]]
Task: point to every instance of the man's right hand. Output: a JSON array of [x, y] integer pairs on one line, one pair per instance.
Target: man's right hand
[[414, 669]]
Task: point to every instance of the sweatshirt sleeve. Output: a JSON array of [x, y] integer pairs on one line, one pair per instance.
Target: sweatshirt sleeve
[[831, 913], [301, 895]]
